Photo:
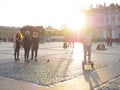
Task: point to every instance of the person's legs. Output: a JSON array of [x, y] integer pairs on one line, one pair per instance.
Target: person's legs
[[28, 49], [32, 53], [15, 54], [89, 53], [36, 53], [25, 51], [18, 53]]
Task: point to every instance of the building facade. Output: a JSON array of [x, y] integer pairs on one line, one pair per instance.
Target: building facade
[[8, 32], [104, 21]]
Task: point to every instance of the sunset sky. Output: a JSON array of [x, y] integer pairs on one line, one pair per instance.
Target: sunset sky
[[45, 12]]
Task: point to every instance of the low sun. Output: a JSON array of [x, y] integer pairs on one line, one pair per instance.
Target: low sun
[[77, 22]]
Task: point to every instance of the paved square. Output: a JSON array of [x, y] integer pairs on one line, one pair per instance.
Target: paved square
[[63, 64]]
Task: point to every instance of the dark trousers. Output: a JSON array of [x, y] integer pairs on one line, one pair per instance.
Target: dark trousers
[[34, 50], [26, 54], [16, 53], [87, 52]]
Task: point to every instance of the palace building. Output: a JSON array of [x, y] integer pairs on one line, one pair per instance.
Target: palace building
[[7, 32], [104, 21]]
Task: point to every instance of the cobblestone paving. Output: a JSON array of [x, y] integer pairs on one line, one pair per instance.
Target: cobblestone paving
[[37, 72], [62, 65], [113, 84]]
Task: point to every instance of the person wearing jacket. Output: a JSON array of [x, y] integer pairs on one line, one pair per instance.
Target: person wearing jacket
[[17, 45], [34, 46], [26, 45]]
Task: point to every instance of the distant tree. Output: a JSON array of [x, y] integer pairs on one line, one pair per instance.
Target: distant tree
[[41, 30], [32, 29]]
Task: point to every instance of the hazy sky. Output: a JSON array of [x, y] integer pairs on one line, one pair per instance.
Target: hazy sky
[[44, 12]]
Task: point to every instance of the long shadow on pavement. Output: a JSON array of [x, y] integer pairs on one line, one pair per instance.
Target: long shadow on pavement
[[61, 62], [91, 77]]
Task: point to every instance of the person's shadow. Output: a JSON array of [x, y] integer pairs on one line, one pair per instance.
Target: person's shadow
[[91, 77], [62, 61]]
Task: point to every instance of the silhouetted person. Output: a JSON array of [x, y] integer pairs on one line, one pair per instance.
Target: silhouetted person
[[35, 46], [17, 45], [109, 41], [27, 45]]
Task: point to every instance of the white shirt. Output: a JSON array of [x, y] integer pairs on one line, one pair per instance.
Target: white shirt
[[87, 40]]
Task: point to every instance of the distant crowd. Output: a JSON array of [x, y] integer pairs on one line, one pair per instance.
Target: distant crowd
[[5, 39]]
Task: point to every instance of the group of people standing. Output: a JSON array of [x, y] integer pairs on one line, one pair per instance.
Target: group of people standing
[[28, 43], [32, 43]]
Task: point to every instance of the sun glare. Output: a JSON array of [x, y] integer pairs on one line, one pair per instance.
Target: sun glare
[[77, 22], [78, 51]]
